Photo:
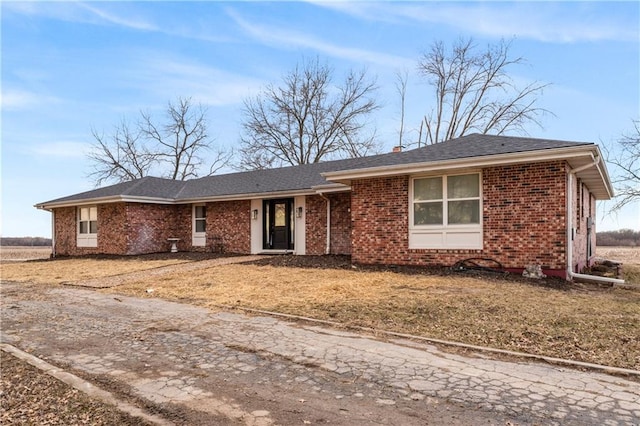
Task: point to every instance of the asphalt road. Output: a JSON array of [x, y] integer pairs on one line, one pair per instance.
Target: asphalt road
[[188, 365]]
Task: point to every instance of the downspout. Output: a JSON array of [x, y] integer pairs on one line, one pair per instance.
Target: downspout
[[570, 273], [327, 249], [53, 233]]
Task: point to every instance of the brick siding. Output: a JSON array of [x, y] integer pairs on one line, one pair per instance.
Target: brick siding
[[316, 224], [524, 222], [148, 226], [229, 225], [340, 223], [583, 207], [523, 219], [135, 228]]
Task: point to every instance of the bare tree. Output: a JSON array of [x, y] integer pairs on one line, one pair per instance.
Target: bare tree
[[474, 92], [174, 150], [181, 141], [307, 119], [401, 88], [626, 161], [119, 157]]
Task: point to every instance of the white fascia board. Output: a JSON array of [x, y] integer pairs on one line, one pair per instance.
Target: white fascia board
[[104, 200], [154, 200], [248, 196], [330, 188], [602, 168], [472, 162]]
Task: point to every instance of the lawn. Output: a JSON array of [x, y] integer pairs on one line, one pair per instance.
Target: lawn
[[580, 322], [66, 270]]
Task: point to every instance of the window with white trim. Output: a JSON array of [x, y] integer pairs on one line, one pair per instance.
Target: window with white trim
[[199, 225], [88, 226], [445, 212]]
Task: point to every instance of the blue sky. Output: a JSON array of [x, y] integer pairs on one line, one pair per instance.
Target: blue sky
[[68, 67]]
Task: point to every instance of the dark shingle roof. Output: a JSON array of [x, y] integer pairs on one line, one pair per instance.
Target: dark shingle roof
[[148, 186], [309, 175]]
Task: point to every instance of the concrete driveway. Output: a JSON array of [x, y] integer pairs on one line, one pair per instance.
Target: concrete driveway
[[188, 365]]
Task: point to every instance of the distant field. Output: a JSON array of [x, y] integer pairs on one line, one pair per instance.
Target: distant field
[[626, 255], [20, 253]]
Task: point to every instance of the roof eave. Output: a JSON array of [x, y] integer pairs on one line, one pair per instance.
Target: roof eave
[[346, 176], [103, 200], [330, 187], [247, 196]]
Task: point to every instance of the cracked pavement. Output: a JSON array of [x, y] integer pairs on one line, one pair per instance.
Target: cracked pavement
[[195, 365]]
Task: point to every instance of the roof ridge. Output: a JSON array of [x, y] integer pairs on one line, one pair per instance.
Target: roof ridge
[[183, 186]]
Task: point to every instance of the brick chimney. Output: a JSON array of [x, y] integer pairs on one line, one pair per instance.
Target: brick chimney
[[397, 148]]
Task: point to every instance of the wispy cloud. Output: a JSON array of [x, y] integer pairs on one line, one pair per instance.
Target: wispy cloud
[[564, 22], [60, 149], [17, 99], [169, 76], [81, 12], [116, 14], [288, 39], [112, 18]]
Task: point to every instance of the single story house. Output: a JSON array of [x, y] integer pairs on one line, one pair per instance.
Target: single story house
[[519, 201]]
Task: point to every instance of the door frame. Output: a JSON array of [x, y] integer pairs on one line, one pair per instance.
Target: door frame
[[268, 209]]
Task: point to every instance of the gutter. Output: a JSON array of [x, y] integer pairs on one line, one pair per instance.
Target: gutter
[[327, 249], [570, 273], [466, 162], [172, 201]]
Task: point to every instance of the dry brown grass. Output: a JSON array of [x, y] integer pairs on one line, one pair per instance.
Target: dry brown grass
[[72, 270], [584, 323], [630, 258], [591, 325], [626, 255], [22, 253]]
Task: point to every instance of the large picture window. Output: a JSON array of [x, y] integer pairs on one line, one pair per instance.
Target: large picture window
[[199, 225], [88, 226], [445, 212]]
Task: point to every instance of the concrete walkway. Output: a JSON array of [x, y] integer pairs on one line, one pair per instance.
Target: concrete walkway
[[170, 353]]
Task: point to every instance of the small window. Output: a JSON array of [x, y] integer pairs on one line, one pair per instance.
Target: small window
[[201, 218], [199, 225], [87, 226]]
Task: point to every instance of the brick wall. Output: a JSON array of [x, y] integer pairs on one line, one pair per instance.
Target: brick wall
[[340, 223], [583, 207], [65, 229], [380, 217], [111, 234], [523, 219], [134, 228], [182, 228], [229, 223], [524, 215], [148, 226], [112, 228], [316, 225]]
